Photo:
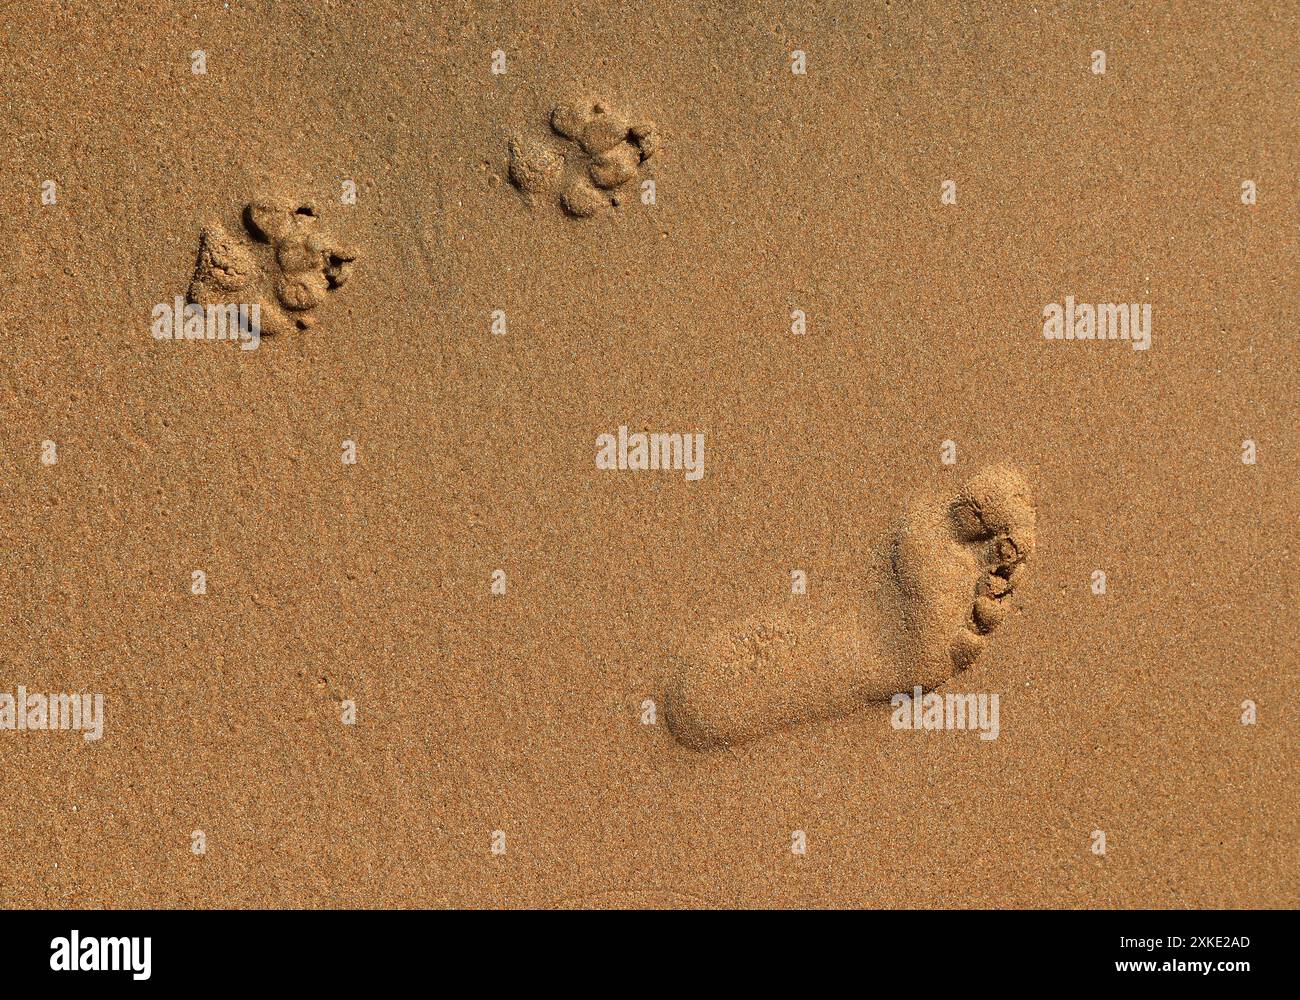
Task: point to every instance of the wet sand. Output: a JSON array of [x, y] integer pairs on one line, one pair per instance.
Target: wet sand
[[518, 719]]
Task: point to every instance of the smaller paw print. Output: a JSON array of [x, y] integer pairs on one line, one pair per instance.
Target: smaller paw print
[[600, 160], [286, 265]]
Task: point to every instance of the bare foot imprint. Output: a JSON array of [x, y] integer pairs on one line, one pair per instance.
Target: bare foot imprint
[[595, 170], [285, 264], [955, 562]]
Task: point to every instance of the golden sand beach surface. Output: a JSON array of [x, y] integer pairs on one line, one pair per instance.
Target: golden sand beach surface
[[658, 429]]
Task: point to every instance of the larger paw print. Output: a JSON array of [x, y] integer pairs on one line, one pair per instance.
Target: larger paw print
[[596, 167], [285, 264]]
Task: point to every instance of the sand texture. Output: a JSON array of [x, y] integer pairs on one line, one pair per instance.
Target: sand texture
[[557, 454]]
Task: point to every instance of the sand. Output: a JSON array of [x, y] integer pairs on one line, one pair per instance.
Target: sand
[[433, 655]]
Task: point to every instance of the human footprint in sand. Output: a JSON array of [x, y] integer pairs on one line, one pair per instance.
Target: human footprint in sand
[[954, 563]]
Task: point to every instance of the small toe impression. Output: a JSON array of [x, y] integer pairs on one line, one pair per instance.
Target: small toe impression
[[966, 649], [997, 583], [988, 614]]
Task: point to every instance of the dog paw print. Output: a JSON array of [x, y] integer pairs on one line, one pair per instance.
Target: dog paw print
[[283, 262], [599, 158]]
